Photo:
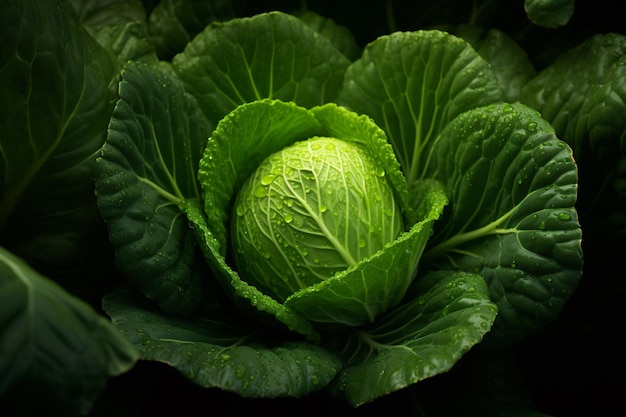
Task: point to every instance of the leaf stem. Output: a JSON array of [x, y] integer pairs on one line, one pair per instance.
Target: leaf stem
[[461, 238], [167, 195]]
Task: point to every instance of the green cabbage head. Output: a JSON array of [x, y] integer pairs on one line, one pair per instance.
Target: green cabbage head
[[311, 215], [309, 211]]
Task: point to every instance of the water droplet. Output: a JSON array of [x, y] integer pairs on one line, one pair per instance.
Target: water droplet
[[260, 192], [288, 218], [316, 260], [532, 126], [240, 210], [267, 255], [323, 208], [564, 216], [361, 243], [267, 179]]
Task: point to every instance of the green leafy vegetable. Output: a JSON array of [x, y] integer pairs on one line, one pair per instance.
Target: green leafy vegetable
[[358, 213], [289, 200], [306, 214]]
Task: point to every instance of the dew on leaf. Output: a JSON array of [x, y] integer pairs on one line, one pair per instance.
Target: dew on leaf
[[564, 216]]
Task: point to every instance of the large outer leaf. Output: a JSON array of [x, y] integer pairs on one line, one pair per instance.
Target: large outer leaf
[[512, 186], [148, 166], [220, 352], [57, 93], [446, 314], [272, 55], [57, 352], [412, 84], [582, 95]]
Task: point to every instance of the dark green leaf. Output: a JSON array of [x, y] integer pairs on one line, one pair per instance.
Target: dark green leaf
[[412, 84], [147, 168], [174, 23], [338, 35], [58, 90], [220, 352], [57, 352], [582, 95], [447, 313], [95, 14], [549, 13], [509, 61], [512, 187], [272, 55]]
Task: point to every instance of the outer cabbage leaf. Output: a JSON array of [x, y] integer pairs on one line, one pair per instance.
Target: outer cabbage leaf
[[271, 55], [57, 352], [174, 23], [148, 166], [413, 84], [560, 91], [512, 186], [605, 127], [119, 26], [549, 13], [338, 35], [218, 351], [109, 12], [58, 92], [508, 59], [582, 95], [446, 313]]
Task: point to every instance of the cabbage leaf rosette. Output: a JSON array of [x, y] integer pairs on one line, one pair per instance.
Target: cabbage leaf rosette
[[291, 221]]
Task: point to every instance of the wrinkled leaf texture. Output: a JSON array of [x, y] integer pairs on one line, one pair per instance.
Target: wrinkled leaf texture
[[147, 168], [582, 94], [271, 55]]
